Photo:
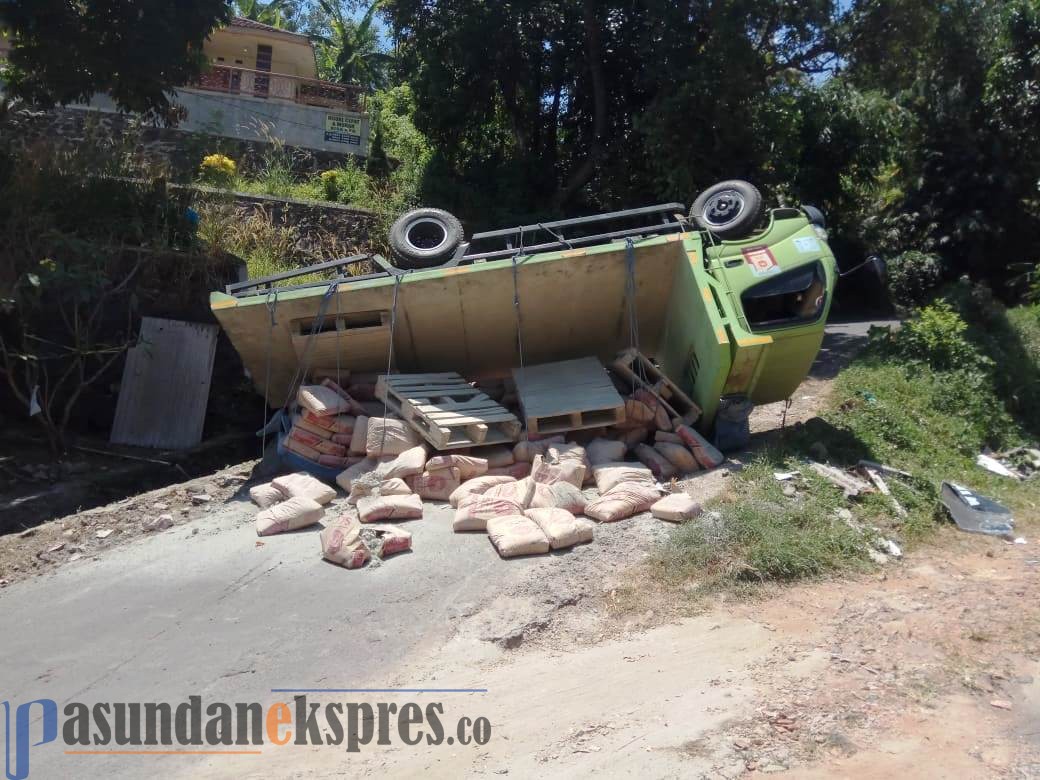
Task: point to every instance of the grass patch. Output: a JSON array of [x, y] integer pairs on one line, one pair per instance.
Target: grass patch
[[925, 400]]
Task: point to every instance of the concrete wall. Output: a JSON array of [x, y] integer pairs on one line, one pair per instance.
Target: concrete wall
[[256, 119]]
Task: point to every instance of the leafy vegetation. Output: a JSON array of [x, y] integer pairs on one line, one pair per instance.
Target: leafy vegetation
[[925, 399]]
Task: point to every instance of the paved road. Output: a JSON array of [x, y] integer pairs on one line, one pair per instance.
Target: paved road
[[215, 614]]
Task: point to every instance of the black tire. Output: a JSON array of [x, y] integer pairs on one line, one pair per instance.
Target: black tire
[[815, 216], [729, 209], [423, 238]]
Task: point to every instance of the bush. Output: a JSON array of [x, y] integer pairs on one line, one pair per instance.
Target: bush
[[218, 170], [913, 277], [936, 336]]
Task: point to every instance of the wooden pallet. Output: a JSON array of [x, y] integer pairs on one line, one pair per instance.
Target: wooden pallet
[[447, 411], [634, 366], [567, 396]]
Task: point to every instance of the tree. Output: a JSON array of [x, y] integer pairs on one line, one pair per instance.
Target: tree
[[135, 50], [349, 52], [276, 13]]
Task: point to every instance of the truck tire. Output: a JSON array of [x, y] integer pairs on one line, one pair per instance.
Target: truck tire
[[729, 209], [423, 238]]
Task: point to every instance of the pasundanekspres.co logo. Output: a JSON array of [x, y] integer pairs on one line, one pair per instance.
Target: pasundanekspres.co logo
[[240, 728]]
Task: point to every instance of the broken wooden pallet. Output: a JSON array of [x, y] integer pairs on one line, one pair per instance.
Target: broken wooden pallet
[[634, 366], [567, 396], [447, 411]]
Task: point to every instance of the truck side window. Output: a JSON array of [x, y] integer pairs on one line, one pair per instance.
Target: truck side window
[[788, 299]]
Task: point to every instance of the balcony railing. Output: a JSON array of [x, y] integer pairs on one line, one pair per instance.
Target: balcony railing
[[281, 86]]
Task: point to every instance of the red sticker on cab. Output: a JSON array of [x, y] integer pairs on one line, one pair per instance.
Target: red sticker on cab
[[761, 260]]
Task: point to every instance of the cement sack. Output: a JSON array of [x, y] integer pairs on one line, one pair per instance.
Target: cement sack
[[302, 484], [371, 484], [518, 470], [680, 457], [526, 450], [341, 544], [341, 423], [435, 485], [610, 474], [661, 419], [334, 461], [318, 443], [520, 491], [667, 437], [359, 436], [621, 501], [656, 462], [605, 451], [289, 515], [345, 479], [706, 454], [560, 527], [476, 487], [355, 407], [676, 508], [301, 449], [387, 436], [546, 473], [560, 495], [322, 401], [515, 535], [497, 456], [638, 412], [574, 452], [634, 436], [266, 495], [386, 540], [301, 424], [468, 466], [475, 511], [410, 462], [372, 509]]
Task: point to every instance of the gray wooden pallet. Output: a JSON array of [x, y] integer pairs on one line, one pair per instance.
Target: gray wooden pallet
[[634, 366], [447, 411], [567, 396]]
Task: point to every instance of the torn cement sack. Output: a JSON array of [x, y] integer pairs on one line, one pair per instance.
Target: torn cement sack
[[605, 451], [521, 491], [266, 495], [514, 535], [341, 544], [475, 487], [610, 474], [560, 495], [676, 508], [345, 479], [621, 501], [546, 473], [341, 423], [372, 509], [475, 511], [468, 466], [293, 513], [518, 470], [303, 484], [411, 461], [355, 407], [497, 456], [386, 540], [560, 527], [370, 484], [526, 450], [322, 401], [676, 454], [704, 451], [656, 462], [435, 485], [359, 436], [387, 436]]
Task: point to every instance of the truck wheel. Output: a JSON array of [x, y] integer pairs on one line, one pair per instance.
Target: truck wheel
[[423, 238], [729, 209]]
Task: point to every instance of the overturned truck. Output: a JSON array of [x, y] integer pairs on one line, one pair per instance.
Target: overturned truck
[[728, 299]]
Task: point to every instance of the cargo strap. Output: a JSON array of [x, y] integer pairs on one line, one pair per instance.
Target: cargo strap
[[516, 297], [630, 295], [390, 354], [272, 304]]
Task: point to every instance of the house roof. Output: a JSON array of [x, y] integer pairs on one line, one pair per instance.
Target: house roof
[[239, 21]]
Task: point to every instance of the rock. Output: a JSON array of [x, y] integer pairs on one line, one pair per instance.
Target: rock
[[201, 498], [159, 506], [56, 547], [75, 557], [160, 523], [1000, 704], [104, 533], [788, 489], [69, 533], [194, 531]]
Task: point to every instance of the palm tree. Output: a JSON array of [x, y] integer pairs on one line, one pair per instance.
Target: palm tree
[[271, 12], [350, 52]]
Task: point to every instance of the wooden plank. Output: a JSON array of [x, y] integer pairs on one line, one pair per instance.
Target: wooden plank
[[567, 395], [165, 387], [636, 367]]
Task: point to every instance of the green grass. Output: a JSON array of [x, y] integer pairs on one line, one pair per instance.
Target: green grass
[[889, 407]]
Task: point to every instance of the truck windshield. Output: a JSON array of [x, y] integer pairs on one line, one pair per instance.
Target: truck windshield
[[788, 299]]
